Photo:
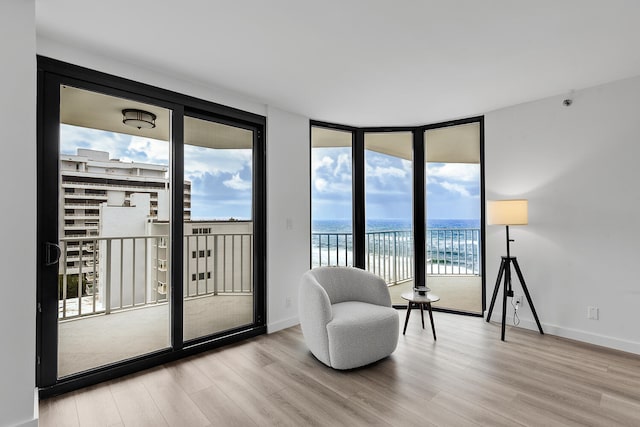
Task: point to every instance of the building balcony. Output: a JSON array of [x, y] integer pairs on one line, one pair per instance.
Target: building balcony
[[74, 204], [452, 263], [80, 196], [79, 216], [136, 187]]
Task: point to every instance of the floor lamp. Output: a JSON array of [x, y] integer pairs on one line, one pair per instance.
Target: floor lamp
[[509, 212]]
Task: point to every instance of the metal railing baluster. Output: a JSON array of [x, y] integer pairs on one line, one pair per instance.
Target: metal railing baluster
[[389, 254], [121, 273], [133, 273]]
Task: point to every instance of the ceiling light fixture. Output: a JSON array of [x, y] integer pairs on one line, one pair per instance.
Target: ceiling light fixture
[[138, 118]]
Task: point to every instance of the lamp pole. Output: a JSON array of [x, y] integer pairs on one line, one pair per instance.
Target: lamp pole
[[509, 212]]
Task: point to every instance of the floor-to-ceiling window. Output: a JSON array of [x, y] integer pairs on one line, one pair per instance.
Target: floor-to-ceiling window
[[332, 197], [453, 237], [416, 196], [389, 205], [151, 223]]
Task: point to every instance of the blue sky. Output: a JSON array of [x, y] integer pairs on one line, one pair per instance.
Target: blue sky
[[453, 189], [220, 179]]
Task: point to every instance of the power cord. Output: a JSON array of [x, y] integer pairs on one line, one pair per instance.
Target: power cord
[[516, 319]]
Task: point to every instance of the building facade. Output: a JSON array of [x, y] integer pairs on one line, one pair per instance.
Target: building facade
[[91, 179]]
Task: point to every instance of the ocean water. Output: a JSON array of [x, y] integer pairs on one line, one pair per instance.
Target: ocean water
[[377, 225], [453, 246]]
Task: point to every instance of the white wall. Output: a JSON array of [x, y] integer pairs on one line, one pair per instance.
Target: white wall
[[288, 214], [18, 215], [578, 166]]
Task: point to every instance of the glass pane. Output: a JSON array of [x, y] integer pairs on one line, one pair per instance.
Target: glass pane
[[113, 276], [218, 228], [389, 209], [331, 197], [453, 216]]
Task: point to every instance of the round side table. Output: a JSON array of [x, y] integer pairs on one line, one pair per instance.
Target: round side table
[[415, 300]]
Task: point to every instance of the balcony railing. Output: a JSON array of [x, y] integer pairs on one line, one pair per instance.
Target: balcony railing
[[389, 254], [130, 272], [453, 251]]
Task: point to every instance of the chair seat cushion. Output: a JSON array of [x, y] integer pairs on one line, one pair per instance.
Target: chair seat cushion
[[360, 333]]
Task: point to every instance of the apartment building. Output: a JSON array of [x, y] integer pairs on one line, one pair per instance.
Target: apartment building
[[91, 178]]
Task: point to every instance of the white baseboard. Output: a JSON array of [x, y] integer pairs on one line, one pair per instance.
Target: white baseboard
[[36, 411], [574, 334], [282, 324]]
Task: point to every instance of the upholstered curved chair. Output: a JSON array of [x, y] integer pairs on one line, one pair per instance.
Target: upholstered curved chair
[[346, 316]]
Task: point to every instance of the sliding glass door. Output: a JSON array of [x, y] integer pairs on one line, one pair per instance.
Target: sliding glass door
[[150, 224], [112, 185]]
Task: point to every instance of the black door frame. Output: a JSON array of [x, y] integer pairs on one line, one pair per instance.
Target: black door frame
[[51, 75]]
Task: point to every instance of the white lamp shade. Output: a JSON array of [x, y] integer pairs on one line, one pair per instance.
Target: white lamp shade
[[507, 212]]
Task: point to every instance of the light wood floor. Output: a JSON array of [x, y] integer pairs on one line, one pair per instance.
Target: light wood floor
[[467, 377]]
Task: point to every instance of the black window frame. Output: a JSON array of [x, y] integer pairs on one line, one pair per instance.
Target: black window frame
[[419, 193]]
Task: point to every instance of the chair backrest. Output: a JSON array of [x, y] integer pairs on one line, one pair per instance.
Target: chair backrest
[[352, 284]]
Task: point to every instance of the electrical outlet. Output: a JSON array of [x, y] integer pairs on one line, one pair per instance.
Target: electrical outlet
[[517, 300], [593, 313], [287, 302]]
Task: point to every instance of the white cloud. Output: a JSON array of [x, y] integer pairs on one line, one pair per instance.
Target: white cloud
[[148, 150], [343, 167], [237, 183], [464, 172], [455, 188], [324, 162], [320, 184], [74, 137], [384, 173], [199, 160]]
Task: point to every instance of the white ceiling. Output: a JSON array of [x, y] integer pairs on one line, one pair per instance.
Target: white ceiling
[[365, 62]]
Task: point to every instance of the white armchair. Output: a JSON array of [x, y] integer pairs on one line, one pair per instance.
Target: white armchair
[[346, 316]]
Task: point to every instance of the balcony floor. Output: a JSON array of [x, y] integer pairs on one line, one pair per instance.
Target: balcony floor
[[93, 341], [460, 293]]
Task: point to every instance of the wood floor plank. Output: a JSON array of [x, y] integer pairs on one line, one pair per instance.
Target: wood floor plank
[[220, 410], [188, 375], [135, 404], [172, 401], [472, 410], [96, 407], [467, 377], [60, 411], [263, 409]]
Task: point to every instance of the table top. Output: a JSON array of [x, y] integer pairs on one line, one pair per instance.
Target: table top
[[415, 297]]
